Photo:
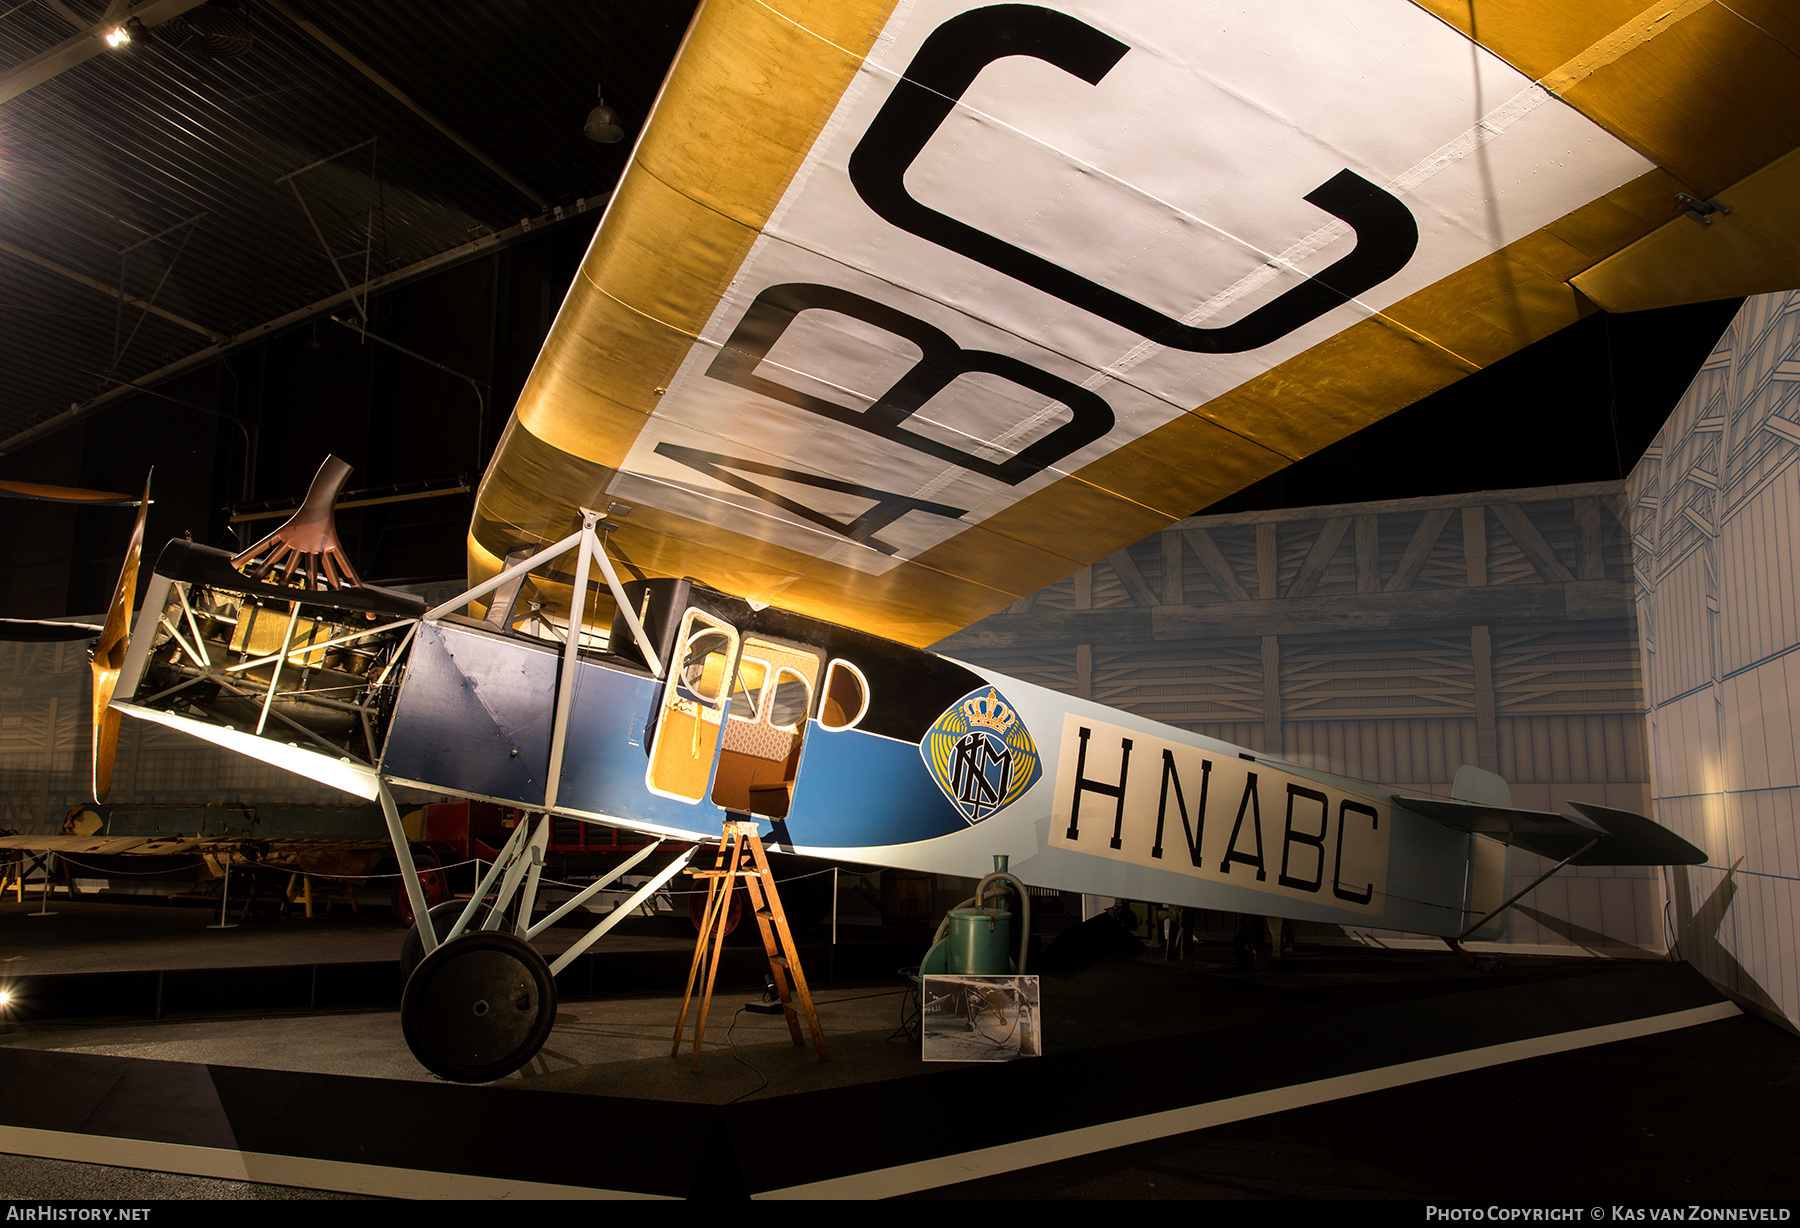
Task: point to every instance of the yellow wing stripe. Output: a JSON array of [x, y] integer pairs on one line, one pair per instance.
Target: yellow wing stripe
[[747, 97], [1705, 92], [1754, 251]]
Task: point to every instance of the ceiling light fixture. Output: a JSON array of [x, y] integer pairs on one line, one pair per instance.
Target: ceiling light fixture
[[126, 32], [603, 123]]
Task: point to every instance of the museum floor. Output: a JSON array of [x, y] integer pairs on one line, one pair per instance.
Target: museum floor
[[152, 1057]]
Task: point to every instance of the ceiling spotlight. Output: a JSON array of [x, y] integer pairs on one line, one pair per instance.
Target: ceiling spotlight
[[603, 124], [126, 32]]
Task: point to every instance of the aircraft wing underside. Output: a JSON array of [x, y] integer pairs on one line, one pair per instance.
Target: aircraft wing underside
[[905, 310]]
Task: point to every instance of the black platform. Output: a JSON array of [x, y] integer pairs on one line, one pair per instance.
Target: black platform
[[1343, 1072]]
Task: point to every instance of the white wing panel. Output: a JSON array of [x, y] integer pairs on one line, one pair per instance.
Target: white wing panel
[[1089, 258]]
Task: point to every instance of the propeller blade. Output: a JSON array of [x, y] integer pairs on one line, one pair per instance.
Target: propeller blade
[[106, 748], [65, 494], [109, 655]]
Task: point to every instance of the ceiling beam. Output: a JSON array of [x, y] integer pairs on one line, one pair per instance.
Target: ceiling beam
[[89, 42], [345, 54], [226, 345], [1514, 605], [112, 292]]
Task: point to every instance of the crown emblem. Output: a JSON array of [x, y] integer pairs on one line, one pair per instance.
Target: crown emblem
[[981, 754], [989, 711]]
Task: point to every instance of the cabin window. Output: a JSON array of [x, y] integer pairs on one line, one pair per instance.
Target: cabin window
[[747, 690], [769, 701], [793, 696], [704, 662], [846, 696]]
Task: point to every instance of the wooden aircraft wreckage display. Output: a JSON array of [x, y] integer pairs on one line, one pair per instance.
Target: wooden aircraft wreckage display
[[903, 311]]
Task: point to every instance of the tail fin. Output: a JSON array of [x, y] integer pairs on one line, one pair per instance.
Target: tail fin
[[1472, 784]]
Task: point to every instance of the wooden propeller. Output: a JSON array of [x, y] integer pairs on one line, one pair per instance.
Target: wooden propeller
[[109, 655], [65, 494]]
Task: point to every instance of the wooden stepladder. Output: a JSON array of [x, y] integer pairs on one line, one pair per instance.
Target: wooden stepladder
[[741, 839]]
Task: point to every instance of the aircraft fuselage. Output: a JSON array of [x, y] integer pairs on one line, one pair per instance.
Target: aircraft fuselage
[[844, 745], [859, 749]]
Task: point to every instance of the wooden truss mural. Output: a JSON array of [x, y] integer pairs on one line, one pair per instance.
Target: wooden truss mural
[[1387, 641]]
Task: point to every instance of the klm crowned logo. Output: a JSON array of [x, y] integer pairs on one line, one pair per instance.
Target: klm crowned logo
[[981, 754]]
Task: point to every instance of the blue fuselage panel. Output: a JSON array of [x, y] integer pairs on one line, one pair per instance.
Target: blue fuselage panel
[[604, 767], [474, 717], [857, 789]]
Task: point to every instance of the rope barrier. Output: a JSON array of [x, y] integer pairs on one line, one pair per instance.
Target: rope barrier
[[366, 879]]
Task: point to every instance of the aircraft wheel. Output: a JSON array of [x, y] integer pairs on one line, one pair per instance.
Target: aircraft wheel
[[478, 1008], [433, 881], [412, 948], [734, 912]]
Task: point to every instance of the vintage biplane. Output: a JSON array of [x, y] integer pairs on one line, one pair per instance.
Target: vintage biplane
[[905, 310]]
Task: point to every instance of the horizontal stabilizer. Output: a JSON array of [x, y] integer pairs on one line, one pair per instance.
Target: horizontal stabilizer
[[1633, 840], [1556, 836], [1624, 839]]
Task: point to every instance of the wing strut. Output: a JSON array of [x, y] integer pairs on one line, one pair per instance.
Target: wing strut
[[618, 592], [409, 872], [589, 541]]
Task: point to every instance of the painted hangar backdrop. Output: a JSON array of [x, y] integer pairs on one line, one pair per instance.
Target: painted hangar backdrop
[[1392, 642]]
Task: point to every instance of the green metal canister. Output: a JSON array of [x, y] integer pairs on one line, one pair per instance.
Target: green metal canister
[[980, 941]]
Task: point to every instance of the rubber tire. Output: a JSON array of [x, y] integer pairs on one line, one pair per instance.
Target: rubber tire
[[443, 916], [479, 1008]]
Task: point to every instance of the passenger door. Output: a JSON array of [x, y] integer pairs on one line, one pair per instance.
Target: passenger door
[[693, 708]]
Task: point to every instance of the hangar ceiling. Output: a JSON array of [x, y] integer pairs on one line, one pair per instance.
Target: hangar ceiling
[[218, 229], [157, 202]]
